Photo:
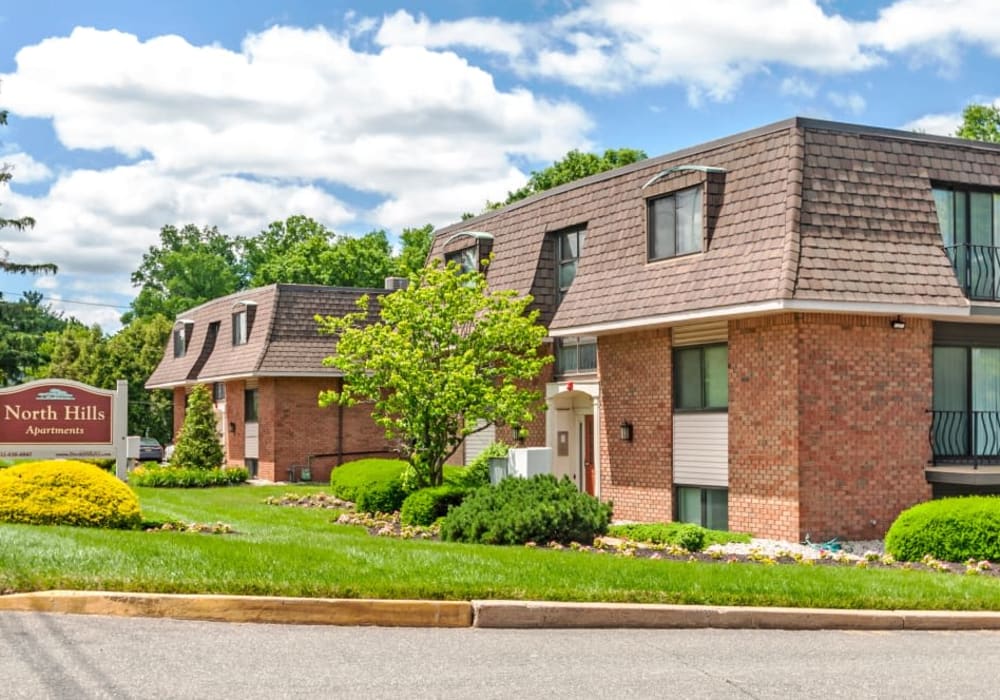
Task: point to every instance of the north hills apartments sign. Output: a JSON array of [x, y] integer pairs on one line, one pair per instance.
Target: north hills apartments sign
[[64, 419]]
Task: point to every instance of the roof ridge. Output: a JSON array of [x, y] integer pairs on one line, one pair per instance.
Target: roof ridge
[[791, 252]]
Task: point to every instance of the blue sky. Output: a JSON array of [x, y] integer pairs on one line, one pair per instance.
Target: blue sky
[[128, 116]]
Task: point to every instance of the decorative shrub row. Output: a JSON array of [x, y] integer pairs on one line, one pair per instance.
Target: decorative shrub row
[[65, 492], [515, 511], [181, 477], [687, 535], [950, 529], [425, 506]]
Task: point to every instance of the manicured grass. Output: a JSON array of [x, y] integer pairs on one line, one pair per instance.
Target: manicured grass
[[299, 552]]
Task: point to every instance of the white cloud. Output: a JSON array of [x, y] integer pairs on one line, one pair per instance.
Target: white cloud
[[851, 102], [939, 124], [481, 33], [936, 28], [798, 87], [241, 138], [25, 169]]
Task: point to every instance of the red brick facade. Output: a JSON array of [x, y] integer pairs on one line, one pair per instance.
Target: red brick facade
[[294, 431], [827, 415], [637, 476]]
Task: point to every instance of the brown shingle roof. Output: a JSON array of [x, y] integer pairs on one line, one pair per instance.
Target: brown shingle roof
[[806, 211], [283, 338]]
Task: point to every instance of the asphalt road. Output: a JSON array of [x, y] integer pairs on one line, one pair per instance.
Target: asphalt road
[[73, 656]]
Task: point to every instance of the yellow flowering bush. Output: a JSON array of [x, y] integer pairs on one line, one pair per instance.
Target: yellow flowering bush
[[65, 492]]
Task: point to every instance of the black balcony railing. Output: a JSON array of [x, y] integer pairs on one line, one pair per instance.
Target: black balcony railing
[[977, 268], [965, 437]]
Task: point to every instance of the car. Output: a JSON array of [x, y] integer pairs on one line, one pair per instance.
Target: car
[[150, 450]]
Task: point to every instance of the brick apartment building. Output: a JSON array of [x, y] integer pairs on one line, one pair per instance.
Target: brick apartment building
[[791, 331], [260, 352]]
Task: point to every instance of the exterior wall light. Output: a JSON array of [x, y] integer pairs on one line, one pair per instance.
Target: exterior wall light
[[626, 431], [898, 323]]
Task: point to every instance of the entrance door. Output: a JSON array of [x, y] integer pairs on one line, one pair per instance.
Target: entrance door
[[587, 450]]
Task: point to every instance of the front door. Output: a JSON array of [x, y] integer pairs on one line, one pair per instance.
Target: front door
[[587, 450]]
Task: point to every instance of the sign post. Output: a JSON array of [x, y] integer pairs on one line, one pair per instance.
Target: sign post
[[64, 419]]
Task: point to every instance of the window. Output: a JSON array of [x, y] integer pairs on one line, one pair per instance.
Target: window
[[576, 355], [250, 406], [180, 341], [970, 232], [465, 259], [674, 224], [218, 391], [569, 249], [240, 327], [703, 506], [701, 378], [966, 403]]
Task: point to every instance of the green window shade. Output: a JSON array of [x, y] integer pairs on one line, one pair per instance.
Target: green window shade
[[950, 379], [717, 509], [944, 201], [689, 505], [689, 221], [717, 376]]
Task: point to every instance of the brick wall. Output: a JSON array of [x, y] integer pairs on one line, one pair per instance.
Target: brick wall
[[763, 427], [635, 372], [865, 392]]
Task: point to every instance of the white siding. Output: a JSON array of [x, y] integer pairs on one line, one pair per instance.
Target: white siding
[[251, 442], [477, 442], [701, 449]]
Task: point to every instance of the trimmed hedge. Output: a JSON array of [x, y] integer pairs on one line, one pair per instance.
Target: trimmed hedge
[[679, 534], [381, 497], [949, 529], [425, 506], [66, 492], [516, 511], [347, 480], [156, 476]]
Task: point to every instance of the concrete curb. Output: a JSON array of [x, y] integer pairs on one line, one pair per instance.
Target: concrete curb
[[493, 614], [223, 608]]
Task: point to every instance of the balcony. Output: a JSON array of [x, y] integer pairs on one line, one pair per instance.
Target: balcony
[[977, 268], [966, 449]]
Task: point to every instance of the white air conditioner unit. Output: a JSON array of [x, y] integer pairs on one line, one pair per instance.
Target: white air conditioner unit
[[395, 283], [527, 462]]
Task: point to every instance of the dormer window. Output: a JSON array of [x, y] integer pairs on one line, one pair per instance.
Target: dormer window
[[674, 224], [182, 336], [464, 258], [569, 246], [243, 313]]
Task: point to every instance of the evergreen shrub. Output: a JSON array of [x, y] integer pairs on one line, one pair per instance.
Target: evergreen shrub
[[515, 511], [66, 492], [381, 497], [949, 529], [198, 445], [156, 476], [425, 506]]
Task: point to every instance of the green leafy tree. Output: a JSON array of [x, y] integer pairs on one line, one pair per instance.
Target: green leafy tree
[[573, 166], [189, 267], [444, 355], [198, 445], [980, 123], [416, 244], [23, 325]]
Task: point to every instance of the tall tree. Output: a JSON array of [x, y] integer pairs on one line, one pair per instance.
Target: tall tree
[[415, 245], [189, 267], [447, 358], [980, 123], [573, 166], [23, 325]]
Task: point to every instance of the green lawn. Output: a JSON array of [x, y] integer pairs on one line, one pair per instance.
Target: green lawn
[[299, 552]]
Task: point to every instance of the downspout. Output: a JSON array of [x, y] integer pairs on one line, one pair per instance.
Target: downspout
[[340, 431]]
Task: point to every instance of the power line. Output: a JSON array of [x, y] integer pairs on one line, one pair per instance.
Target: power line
[[52, 300]]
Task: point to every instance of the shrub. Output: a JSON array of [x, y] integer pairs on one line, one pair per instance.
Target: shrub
[[425, 506], [381, 497], [515, 511], [347, 480], [949, 529], [156, 476], [676, 534], [198, 445], [478, 471], [64, 492]]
